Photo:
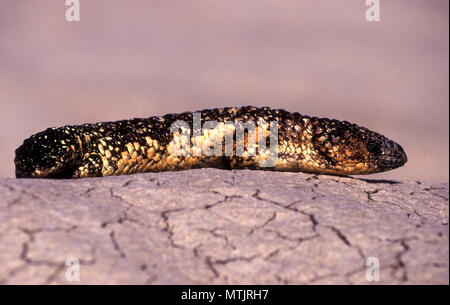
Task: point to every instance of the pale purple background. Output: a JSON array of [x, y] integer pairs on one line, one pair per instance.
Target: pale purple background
[[129, 59]]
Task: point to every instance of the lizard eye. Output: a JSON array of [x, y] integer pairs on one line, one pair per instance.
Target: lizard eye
[[374, 147]]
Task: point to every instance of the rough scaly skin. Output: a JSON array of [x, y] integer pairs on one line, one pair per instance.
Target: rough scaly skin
[[307, 144]]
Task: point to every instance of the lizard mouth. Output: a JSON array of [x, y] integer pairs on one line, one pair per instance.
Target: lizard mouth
[[26, 169], [54, 172]]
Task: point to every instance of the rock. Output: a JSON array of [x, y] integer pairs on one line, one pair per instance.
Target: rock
[[213, 226]]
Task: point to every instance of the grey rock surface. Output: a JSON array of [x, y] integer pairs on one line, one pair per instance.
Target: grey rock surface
[[223, 227]]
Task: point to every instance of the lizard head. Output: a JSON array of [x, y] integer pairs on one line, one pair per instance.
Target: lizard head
[[348, 149], [47, 154]]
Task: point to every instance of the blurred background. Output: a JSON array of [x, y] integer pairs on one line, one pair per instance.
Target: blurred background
[[128, 59]]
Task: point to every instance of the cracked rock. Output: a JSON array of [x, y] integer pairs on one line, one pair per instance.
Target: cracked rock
[[212, 226]]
